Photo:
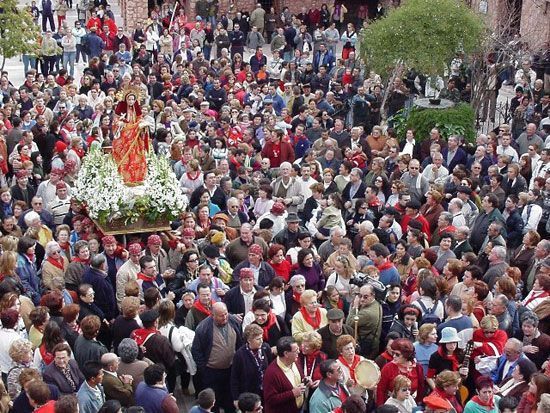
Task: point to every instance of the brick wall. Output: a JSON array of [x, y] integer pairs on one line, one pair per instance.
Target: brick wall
[[133, 11], [535, 23]]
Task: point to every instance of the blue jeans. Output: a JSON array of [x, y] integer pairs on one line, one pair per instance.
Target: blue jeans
[[28, 61], [207, 50], [68, 59]]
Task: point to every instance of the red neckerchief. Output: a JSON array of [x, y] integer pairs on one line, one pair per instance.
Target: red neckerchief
[[80, 152], [271, 321], [386, 356], [55, 263], [141, 334], [47, 357], [78, 259], [296, 297], [386, 265], [145, 277], [65, 246], [315, 321], [191, 178], [356, 360], [199, 306], [490, 405], [452, 358]]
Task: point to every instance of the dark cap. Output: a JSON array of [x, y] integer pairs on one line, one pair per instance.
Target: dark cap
[[335, 314], [464, 189], [149, 317], [391, 211], [292, 217], [211, 251], [414, 204]]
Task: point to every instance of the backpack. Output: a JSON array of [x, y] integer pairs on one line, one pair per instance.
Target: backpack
[[429, 314]]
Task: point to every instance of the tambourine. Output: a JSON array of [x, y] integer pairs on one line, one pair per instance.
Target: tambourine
[[367, 374]]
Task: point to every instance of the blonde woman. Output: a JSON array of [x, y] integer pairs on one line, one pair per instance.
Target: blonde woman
[[343, 273], [310, 317], [401, 395], [22, 355]]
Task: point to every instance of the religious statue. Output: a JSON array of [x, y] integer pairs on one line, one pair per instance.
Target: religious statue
[[131, 139]]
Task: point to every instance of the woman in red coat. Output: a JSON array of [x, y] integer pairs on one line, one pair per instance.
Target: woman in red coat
[[488, 339], [403, 363]]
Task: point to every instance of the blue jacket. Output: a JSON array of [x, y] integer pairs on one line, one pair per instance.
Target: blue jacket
[[95, 44], [29, 278], [202, 343], [104, 293], [328, 60], [497, 376]]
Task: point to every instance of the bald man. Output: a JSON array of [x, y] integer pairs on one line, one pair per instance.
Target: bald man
[[116, 387], [216, 339]]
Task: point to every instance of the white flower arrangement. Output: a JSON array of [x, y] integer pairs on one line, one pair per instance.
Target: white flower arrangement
[[101, 188]]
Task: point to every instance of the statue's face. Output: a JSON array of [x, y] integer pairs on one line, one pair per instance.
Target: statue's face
[[130, 100]]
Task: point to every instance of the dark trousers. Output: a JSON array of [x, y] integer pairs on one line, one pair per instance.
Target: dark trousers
[[45, 18], [218, 380], [48, 64]]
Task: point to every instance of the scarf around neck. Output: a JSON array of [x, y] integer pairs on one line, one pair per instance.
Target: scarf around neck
[[314, 321], [351, 367]]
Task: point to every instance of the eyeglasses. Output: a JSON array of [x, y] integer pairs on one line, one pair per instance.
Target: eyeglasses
[[489, 332], [414, 167], [193, 260], [56, 252], [365, 296]]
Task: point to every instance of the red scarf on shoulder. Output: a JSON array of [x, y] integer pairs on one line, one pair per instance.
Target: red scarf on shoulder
[[315, 321], [56, 263], [452, 358], [140, 335], [356, 360], [271, 321], [78, 259], [47, 357], [490, 405], [199, 306]]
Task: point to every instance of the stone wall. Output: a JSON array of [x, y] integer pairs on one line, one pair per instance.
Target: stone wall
[[132, 12]]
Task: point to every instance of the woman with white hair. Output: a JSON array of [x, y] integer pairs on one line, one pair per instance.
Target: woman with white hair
[[54, 266]]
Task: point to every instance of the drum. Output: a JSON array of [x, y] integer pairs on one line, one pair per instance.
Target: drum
[[367, 374]]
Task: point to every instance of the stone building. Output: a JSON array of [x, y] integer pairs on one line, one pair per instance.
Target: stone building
[[533, 26]]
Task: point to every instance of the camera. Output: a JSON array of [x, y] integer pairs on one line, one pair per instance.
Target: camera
[[361, 279]]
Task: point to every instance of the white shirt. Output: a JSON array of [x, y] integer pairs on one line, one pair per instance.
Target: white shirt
[[531, 216], [7, 337]]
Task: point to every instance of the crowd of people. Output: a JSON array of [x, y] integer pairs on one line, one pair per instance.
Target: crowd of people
[[316, 245]]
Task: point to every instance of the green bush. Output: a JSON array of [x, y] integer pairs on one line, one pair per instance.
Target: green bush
[[458, 120]]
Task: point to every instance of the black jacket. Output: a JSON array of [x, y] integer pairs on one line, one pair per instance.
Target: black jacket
[[245, 371]]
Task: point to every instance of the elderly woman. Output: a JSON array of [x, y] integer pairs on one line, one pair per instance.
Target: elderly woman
[[26, 268], [536, 344], [125, 323], [406, 324], [293, 295], [310, 357], [128, 352], [401, 395], [425, 345], [348, 360], [39, 318], [86, 346], [55, 265], [21, 353], [340, 278], [263, 271], [250, 363], [79, 264], [311, 316], [403, 363], [63, 372], [446, 386], [518, 382], [310, 269]]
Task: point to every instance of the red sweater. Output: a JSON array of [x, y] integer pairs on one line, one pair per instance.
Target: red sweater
[[278, 397], [388, 373]]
